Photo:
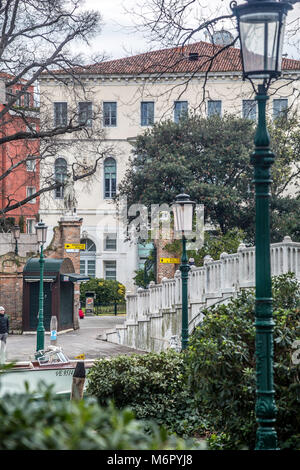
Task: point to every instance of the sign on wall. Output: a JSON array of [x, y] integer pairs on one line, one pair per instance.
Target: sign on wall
[[74, 246], [169, 260]]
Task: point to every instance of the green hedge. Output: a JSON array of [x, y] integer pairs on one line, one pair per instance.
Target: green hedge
[[28, 423], [153, 385], [222, 368]]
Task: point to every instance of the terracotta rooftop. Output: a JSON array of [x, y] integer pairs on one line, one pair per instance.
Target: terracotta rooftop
[[177, 60]]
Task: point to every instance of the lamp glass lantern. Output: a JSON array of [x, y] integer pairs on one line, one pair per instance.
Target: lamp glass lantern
[[261, 27], [41, 231], [183, 213], [16, 232]]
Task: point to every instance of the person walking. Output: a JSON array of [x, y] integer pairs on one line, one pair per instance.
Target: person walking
[[81, 314], [4, 328]]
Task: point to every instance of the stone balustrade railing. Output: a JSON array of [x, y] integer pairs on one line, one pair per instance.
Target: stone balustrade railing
[[148, 323]]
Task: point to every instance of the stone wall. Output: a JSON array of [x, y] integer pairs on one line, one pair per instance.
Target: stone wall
[[164, 269], [12, 265]]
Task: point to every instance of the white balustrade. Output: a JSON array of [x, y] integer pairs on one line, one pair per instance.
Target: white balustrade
[[211, 281]]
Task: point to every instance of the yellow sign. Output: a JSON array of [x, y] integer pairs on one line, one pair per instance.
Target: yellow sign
[[81, 356], [74, 246], [169, 260]]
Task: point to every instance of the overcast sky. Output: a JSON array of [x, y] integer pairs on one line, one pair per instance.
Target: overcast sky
[[118, 38]]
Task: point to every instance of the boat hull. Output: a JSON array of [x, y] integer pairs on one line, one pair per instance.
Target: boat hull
[[60, 377]]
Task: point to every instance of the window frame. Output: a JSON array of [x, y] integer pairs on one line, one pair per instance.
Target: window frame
[[254, 107], [32, 201], [31, 165], [111, 192], [32, 221], [87, 257], [59, 192], [147, 122], [105, 263], [87, 112], [110, 113], [209, 113], [281, 112], [178, 114], [110, 236], [60, 122]]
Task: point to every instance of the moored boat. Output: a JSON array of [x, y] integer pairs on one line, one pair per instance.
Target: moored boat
[[51, 367]]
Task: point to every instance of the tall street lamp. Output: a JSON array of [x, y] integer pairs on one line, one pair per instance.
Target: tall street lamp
[[183, 222], [16, 234], [261, 29], [41, 231]]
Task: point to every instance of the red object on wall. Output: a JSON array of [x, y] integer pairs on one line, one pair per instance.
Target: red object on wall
[[22, 154]]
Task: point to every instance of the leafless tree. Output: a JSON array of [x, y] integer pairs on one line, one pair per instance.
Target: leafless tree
[[36, 38], [179, 24]]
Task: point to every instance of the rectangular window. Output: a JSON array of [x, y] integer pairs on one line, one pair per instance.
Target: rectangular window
[[60, 114], [91, 267], [30, 225], [82, 266], [85, 113], [214, 107], [249, 109], [110, 270], [30, 190], [30, 165], [110, 114], [147, 113], [110, 178], [88, 267], [110, 242], [59, 192], [26, 99], [180, 110], [280, 107]]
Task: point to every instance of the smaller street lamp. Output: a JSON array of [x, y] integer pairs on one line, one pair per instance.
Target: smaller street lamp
[[183, 222], [41, 231], [16, 233]]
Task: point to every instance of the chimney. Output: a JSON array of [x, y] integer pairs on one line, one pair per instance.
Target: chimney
[[193, 56]]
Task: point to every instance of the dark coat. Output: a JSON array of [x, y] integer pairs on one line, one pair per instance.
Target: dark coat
[[4, 324]]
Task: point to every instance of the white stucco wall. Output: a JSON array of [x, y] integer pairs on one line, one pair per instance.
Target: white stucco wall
[[128, 91]]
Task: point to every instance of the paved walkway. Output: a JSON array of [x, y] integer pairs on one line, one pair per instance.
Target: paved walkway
[[73, 343]]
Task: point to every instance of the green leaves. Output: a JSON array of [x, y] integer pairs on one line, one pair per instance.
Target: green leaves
[[210, 158], [153, 385], [106, 291], [222, 367], [48, 423]]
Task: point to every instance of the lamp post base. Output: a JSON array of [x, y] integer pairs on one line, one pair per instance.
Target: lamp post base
[[266, 438]]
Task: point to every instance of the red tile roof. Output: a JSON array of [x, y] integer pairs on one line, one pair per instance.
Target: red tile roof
[[176, 60]]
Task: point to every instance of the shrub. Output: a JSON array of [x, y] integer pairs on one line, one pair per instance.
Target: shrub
[[222, 367], [106, 290], [28, 423], [153, 385]]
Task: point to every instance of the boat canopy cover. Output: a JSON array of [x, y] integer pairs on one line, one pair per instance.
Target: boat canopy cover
[[74, 277]]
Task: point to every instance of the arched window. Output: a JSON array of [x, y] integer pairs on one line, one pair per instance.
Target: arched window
[[60, 174], [88, 258], [110, 178]]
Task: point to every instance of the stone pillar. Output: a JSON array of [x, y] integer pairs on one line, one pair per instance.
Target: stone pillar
[[69, 228], [164, 269]]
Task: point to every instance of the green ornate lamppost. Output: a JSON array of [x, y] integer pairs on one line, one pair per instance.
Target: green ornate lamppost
[[16, 233], [261, 30], [41, 231], [183, 223]]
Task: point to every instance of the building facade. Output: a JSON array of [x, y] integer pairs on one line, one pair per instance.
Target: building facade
[[20, 165], [132, 94]]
